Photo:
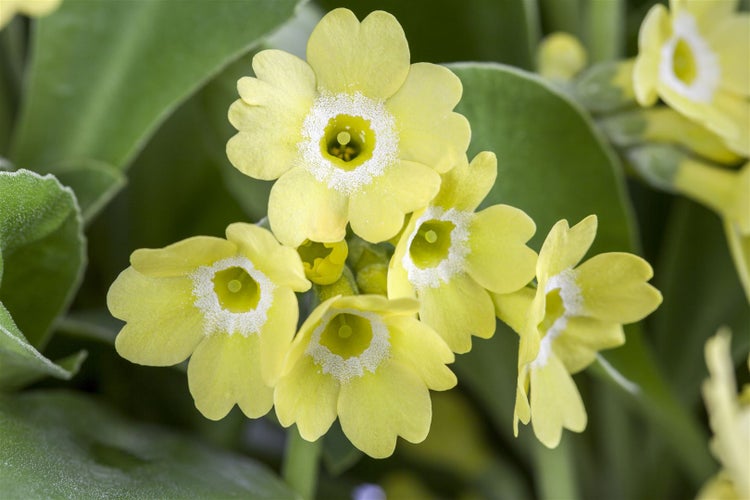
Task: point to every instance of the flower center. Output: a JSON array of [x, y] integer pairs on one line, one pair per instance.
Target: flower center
[[563, 300], [437, 248], [236, 290], [688, 65], [432, 243], [349, 141], [348, 342], [232, 296], [683, 62]]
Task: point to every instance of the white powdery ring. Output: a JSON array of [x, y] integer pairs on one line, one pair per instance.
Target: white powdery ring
[[216, 319], [455, 261], [703, 86], [323, 168], [570, 294], [342, 369]]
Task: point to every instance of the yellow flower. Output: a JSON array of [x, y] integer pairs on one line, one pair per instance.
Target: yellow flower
[[323, 262], [355, 134], [697, 59], [367, 360], [730, 421], [228, 304], [560, 57], [573, 313], [35, 8], [451, 258]]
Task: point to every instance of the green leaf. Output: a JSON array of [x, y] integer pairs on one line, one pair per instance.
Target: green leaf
[[104, 75], [552, 163], [95, 183], [67, 445], [21, 364], [43, 250]]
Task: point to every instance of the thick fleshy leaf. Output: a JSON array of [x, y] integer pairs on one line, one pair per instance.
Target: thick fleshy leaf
[[88, 82], [43, 250], [21, 364], [67, 444], [552, 169]]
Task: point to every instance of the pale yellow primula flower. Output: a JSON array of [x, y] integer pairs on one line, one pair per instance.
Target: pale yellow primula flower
[[33, 8], [696, 57], [354, 135], [229, 305], [366, 360], [574, 312], [451, 258], [560, 57], [729, 417]]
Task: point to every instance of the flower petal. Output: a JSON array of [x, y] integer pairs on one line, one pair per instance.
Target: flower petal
[[163, 326], [513, 308], [307, 397], [654, 32], [376, 213], [578, 345], [277, 333], [376, 408], [429, 131], [564, 248], [555, 403], [181, 258], [224, 370], [499, 259], [466, 185], [348, 57], [418, 346], [733, 56], [282, 264], [457, 310], [613, 287], [301, 208]]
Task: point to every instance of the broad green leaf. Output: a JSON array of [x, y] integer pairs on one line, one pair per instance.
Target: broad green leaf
[[66, 445], [21, 364], [105, 74], [551, 161], [43, 250], [95, 184]]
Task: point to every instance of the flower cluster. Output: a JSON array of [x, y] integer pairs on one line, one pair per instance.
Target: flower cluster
[[358, 138]]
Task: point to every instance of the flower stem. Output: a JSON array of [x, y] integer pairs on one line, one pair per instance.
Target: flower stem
[[300, 467]]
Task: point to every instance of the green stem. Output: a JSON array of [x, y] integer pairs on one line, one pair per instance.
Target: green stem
[[555, 473], [562, 15], [605, 29], [300, 467]]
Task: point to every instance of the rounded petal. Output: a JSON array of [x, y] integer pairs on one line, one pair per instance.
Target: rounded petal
[[429, 131], [707, 14], [277, 333], [564, 248], [301, 208], [181, 258], [270, 114], [398, 279], [583, 338], [513, 308], [499, 259], [457, 310], [224, 370], [466, 185], [376, 213], [282, 264], [655, 31], [376, 408], [307, 397], [555, 403], [163, 327], [418, 346], [348, 57], [613, 287], [733, 56]]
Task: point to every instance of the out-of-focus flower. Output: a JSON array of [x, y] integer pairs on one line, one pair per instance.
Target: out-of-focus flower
[[560, 57], [33, 8], [323, 262], [696, 58]]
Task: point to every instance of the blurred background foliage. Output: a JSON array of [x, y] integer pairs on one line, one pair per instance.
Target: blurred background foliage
[[125, 101]]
